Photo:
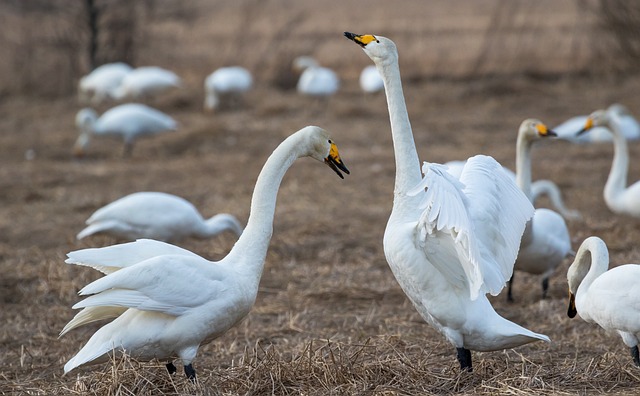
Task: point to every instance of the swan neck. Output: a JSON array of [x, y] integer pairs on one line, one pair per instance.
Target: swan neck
[[406, 157], [617, 180], [523, 165], [592, 261]]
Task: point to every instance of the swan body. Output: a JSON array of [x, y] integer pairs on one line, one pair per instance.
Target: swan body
[[539, 188], [100, 84], [619, 197], [450, 241], [546, 241], [156, 215], [628, 125], [226, 81], [168, 301], [370, 80], [610, 298], [315, 80], [127, 121], [147, 81]]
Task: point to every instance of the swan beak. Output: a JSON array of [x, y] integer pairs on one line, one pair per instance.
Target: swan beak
[[572, 306], [544, 131], [334, 161], [360, 39], [588, 125]]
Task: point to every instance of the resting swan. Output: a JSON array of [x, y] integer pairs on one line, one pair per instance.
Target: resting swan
[[168, 301], [225, 82], [620, 198], [545, 242], [457, 240], [145, 82], [156, 215], [628, 125], [610, 298], [315, 80]]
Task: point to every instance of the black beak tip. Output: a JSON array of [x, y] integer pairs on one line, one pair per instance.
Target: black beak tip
[[552, 133], [580, 132]]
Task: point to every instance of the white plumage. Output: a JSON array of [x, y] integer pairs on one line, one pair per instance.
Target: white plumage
[[370, 80], [145, 82], [627, 125], [168, 301], [156, 215], [610, 298], [229, 82], [127, 121], [450, 241], [315, 80], [100, 84]]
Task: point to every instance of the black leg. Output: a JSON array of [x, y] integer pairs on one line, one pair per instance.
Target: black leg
[[464, 357], [509, 295], [171, 368], [545, 287], [635, 355], [190, 372]]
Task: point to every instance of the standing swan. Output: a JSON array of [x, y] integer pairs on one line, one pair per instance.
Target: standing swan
[[619, 198], [545, 242], [169, 301], [609, 298], [457, 240]]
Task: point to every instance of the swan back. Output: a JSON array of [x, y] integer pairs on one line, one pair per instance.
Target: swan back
[[102, 81], [370, 80], [225, 81], [146, 81]]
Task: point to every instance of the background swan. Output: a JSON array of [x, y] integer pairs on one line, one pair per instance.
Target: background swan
[[145, 82], [156, 215], [226, 82], [448, 241], [169, 303], [545, 242], [609, 298], [370, 80], [100, 84], [620, 198], [315, 80], [628, 125], [128, 121]]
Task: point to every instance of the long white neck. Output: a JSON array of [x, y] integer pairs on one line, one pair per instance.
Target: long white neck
[[217, 224], [592, 260], [617, 180], [408, 173], [250, 250], [523, 165]]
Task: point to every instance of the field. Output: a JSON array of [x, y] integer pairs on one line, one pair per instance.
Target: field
[[329, 318]]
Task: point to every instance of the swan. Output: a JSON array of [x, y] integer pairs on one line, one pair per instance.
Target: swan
[[370, 80], [609, 298], [156, 215], [545, 242], [99, 85], [147, 81], [628, 125], [128, 121], [225, 81], [539, 188], [457, 240], [619, 197], [315, 80], [168, 301]]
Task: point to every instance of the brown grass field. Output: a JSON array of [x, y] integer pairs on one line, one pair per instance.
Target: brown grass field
[[329, 318]]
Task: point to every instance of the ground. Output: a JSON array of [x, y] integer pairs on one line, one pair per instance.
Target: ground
[[329, 317]]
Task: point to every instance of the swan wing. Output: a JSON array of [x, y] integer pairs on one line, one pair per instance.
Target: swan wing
[[470, 229], [112, 258]]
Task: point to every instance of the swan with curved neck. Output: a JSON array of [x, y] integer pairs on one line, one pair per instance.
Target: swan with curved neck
[[545, 242], [620, 198], [168, 301], [610, 298], [449, 242]]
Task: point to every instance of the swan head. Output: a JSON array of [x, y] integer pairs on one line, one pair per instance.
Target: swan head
[[533, 129], [85, 119], [321, 147], [592, 249], [596, 119], [379, 49]]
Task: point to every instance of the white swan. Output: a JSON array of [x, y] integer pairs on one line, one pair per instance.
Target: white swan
[[169, 301], [370, 80], [145, 82], [99, 85], [545, 242], [225, 82], [128, 121], [539, 188], [609, 298], [619, 197], [628, 125], [450, 244], [156, 215], [315, 80]]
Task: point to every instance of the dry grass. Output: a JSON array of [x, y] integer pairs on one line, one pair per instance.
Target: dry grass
[[329, 318]]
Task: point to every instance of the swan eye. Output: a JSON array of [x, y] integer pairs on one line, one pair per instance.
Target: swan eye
[[330, 142]]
